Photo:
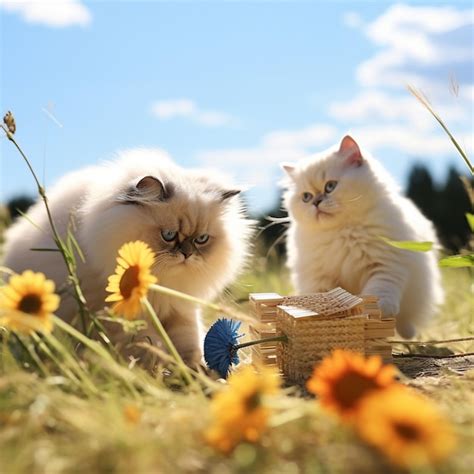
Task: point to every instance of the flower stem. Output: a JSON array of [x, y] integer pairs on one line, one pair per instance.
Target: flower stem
[[102, 333], [193, 299], [168, 342], [72, 363], [33, 355], [89, 343], [65, 370], [57, 239], [95, 347], [260, 341]]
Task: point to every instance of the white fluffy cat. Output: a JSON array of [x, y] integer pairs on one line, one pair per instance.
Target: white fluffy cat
[[340, 202], [192, 220]]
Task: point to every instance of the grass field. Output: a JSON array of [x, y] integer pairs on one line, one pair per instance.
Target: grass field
[[135, 423]]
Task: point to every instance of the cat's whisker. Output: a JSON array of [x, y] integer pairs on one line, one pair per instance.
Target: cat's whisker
[[274, 221], [331, 206], [159, 260], [355, 198]]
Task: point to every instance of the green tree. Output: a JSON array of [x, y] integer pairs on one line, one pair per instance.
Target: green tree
[[19, 204]]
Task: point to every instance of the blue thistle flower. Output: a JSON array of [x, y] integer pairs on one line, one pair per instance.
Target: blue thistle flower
[[220, 350]]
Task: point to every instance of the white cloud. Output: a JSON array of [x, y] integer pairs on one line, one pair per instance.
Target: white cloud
[[312, 136], [186, 108], [374, 105], [419, 44], [422, 46], [166, 109], [467, 93], [54, 13], [352, 20], [257, 166], [410, 142]]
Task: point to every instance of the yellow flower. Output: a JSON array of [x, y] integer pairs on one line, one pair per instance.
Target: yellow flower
[[132, 414], [344, 378], [239, 412], [27, 302], [406, 427], [132, 278]]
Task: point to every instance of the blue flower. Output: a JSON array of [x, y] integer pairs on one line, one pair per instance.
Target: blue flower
[[219, 346]]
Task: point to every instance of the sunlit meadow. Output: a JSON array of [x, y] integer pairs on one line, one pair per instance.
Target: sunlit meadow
[[133, 422], [69, 402]]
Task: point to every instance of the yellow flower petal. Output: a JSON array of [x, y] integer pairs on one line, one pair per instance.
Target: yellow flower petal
[[132, 277], [344, 378], [239, 411], [27, 302], [406, 427]]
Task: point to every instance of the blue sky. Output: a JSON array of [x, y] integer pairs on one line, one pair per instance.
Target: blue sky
[[237, 86]]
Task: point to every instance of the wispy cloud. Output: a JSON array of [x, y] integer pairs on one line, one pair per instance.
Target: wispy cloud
[[410, 143], [314, 135], [352, 19], [372, 105], [396, 121], [256, 166], [188, 109], [418, 44], [422, 46], [52, 13]]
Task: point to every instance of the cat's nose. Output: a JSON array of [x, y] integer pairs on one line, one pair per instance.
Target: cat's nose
[[186, 248], [318, 201], [186, 253]]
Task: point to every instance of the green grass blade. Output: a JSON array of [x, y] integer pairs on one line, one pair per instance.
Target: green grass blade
[[75, 245], [424, 101], [457, 261], [411, 245], [470, 220]]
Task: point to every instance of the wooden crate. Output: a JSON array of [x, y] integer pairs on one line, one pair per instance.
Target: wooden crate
[[315, 325]]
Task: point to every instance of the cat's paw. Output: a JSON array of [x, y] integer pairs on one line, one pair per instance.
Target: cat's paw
[[192, 358], [406, 329], [389, 307]]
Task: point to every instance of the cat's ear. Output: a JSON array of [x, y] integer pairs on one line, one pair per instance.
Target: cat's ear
[[288, 168], [147, 189], [351, 151], [228, 193], [154, 188]]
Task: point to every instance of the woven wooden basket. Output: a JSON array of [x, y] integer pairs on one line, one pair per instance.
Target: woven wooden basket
[[315, 325]]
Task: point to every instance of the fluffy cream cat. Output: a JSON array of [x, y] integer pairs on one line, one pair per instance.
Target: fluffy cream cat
[[192, 220], [340, 202]]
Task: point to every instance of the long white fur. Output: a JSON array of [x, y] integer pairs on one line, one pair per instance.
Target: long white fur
[[344, 248], [90, 199]]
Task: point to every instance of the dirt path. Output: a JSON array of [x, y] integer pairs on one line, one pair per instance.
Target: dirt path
[[415, 367]]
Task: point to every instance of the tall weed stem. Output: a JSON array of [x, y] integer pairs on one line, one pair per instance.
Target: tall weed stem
[[57, 239], [167, 341]]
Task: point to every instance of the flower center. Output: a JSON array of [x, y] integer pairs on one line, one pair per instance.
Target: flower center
[[406, 431], [253, 401], [30, 304], [351, 387], [129, 281]]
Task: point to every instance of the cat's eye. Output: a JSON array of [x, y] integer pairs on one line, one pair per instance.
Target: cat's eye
[[169, 235], [330, 186], [202, 239], [306, 197]]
